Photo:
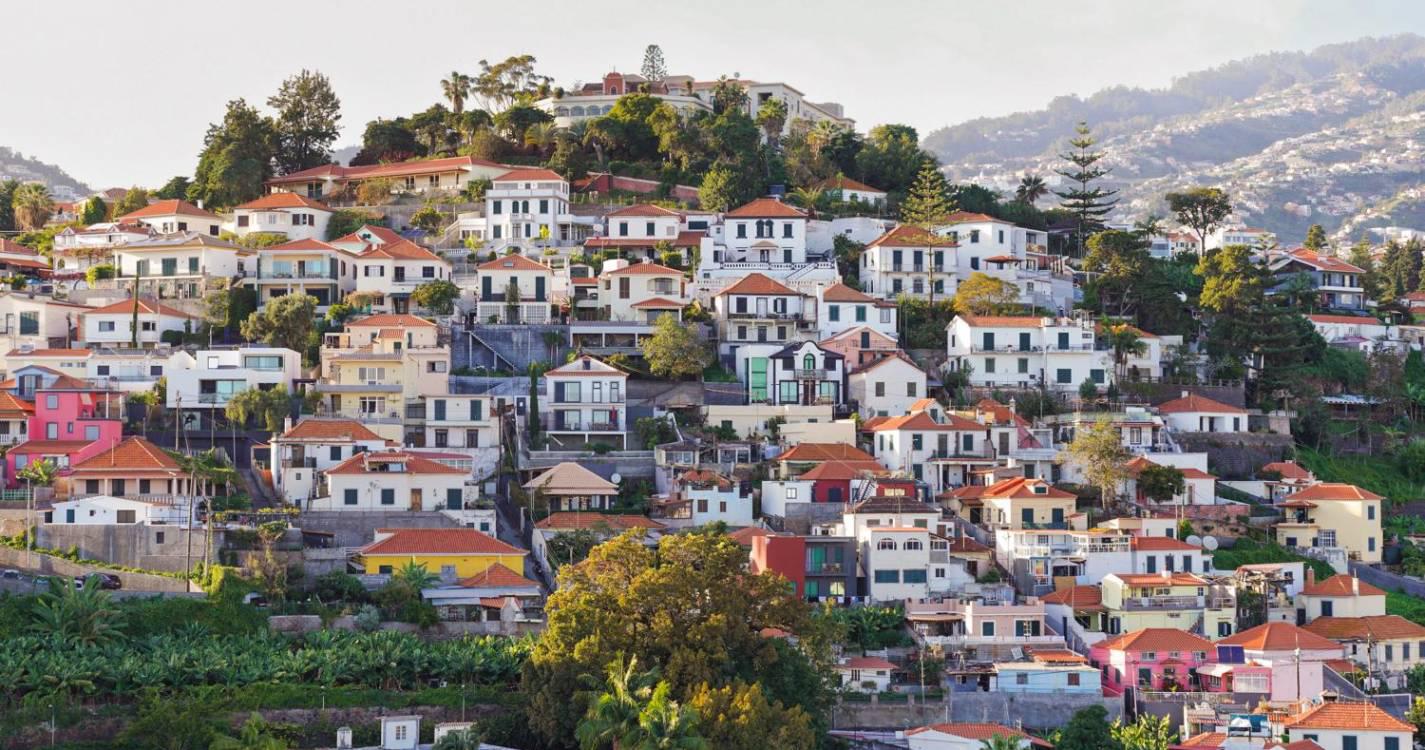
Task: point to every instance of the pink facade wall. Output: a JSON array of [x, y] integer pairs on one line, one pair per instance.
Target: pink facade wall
[[1123, 667], [73, 414]]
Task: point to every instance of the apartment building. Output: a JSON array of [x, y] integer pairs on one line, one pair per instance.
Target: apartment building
[[756, 318], [318, 269], [942, 452], [182, 266], [202, 382], [585, 404], [390, 272], [174, 216], [1021, 352], [36, 322], [765, 231], [527, 209], [1168, 599], [909, 261], [291, 215], [381, 364], [513, 289]]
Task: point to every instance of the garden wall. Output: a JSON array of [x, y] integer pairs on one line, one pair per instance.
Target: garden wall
[[57, 566], [1047, 711], [132, 546], [1387, 580]]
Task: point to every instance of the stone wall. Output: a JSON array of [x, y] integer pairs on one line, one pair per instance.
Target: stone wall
[[47, 565], [133, 546], [1036, 712], [1388, 581], [1236, 455]]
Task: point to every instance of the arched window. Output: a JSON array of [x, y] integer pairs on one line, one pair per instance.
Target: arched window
[[562, 111], [886, 544], [577, 111], [911, 544], [809, 362]]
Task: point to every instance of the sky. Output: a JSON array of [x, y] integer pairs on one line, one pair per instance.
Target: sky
[[120, 92]]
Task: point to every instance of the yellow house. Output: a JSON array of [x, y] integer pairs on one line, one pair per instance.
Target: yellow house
[[1331, 515], [379, 366], [1021, 503], [452, 554], [1133, 601]]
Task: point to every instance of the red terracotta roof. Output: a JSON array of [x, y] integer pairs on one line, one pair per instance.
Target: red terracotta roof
[[59, 353], [579, 520], [756, 283], [905, 235], [839, 292], [646, 268], [1342, 715], [412, 167], [1161, 544], [167, 208], [684, 239], [1344, 319], [12, 404], [1203, 740], [964, 217], [658, 303], [1024, 488], [439, 542], [746, 534], [391, 320], [1165, 578], [1374, 627], [146, 307], [645, 209], [1288, 469], [529, 175], [1140, 463], [1002, 321], [803, 452], [1342, 585], [284, 200], [309, 245], [133, 454], [840, 471], [402, 250], [1193, 402], [361, 463], [866, 662], [512, 262], [1323, 262], [765, 208], [1279, 636], [1334, 491], [50, 447], [314, 428], [1078, 597], [842, 182], [496, 576], [922, 421], [1157, 639]]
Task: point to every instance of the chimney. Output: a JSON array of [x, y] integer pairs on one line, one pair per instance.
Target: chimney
[[1310, 576], [1355, 586], [1185, 394]]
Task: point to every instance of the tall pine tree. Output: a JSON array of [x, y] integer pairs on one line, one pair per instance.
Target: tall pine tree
[[1088, 201], [654, 69], [925, 207]]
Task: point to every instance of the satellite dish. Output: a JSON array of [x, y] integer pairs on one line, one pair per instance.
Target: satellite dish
[[1194, 540], [616, 478], [1209, 543]]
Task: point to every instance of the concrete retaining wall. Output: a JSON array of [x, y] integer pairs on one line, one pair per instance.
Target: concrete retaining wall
[[133, 546], [1048, 711], [47, 565], [1388, 581], [298, 624], [1236, 455]]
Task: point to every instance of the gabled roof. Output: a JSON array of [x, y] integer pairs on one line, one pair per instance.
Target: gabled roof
[[1138, 464], [803, 452], [978, 732], [766, 208], [866, 662], [283, 200], [133, 454], [50, 447], [1342, 584], [1322, 262], [1002, 321], [892, 504], [756, 283], [414, 166], [568, 478], [1350, 320], [1161, 544], [905, 235], [1089, 597], [1157, 639], [1342, 715], [646, 268], [512, 262], [1165, 578], [402, 250], [645, 209], [1288, 469], [586, 366], [842, 182], [893, 356], [14, 407], [1374, 627], [146, 307], [839, 292], [746, 534], [1024, 488], [532, 174], [1193, 402], [1333, 491], [365, 463], [840, 471], [308, 245], [497, 576], [922, 422], [438, 542], [1279, 636], [969, 217], [588, 520], [391, 320], [1000, 413], [316, 428], [658, 303], [168, 207], [384, 234]]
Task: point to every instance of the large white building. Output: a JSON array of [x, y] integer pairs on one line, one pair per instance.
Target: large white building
[[585, 402], [208, 378], [293, 216], [1023, 352], [526, 209]]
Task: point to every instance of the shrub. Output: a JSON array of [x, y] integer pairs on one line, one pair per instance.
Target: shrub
[[601, 448], [368, 619], [338, 586], [101, 271]]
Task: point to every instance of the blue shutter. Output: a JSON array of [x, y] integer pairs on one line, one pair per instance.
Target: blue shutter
[[350, 497]]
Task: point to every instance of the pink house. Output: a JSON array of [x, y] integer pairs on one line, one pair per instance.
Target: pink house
[[1277, 662], [1152, 659], [73, 420]]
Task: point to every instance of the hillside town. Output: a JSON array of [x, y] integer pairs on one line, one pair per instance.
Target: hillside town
[[674, 409]]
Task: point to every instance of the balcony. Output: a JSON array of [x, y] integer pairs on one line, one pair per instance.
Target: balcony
[[1150, 603], [811, 374], [826, 569], [765, 315]]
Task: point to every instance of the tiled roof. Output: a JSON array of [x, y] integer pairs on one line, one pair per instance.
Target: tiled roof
[[1323, 262], [644, 209], [1002, 321], [1157, 639], [1193, 402], [438, 542], [1161, 544], [684, 239], [1204, 740], [967, 217], [965, 545], [1056, 656], [922, 421], [391, 320], [840, 471], [579, 520], [308, 245], [10, 404], [658, 303], [134, 454], [412, 167], [595, 367], [1279, 636], [646, 268], [765, 208], [1140, 463], [756, 283], [1024, 488], [512, 262], [571, 478], [839, 292], [496, 576], [167, 208], [50, 447], [905, 235], [842, 182], [284, 200], [59, 353], [1334, 491], [402, 250], [1288, 469], [362, 463], [314, 428], [746, 534], [1342, 585], [824, 452], [978, 732], [1078, 597], [1341, 715], [146, 307], [892, 504], [1165, 578], [529, 174], [1350, 320], [866, 662], [1374, 627]]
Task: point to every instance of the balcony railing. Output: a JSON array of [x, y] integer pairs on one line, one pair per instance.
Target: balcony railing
[[826, 569], [764, 315], [1176, 602], [811, 374]]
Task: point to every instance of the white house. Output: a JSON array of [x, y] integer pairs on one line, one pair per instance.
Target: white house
[[585, 404], [305, 452], [756, 317], [37, 322], [865, 674], [208, 378], [943, 453], [1194, 413], [887, 386], [103, 510], [174, 216], [321, 270], [909, 261], [1199, 487], [806, 374], [702, 496], [841, 308], [390, 272], [765, 230], [113, 325], [1363, 333], [525, 209], [642, 291], [528, 303], [1021, 351], [449, 174], [844, 189], [180, 266], [393, 480], [967, 737], [1341, 725], [294, 216]]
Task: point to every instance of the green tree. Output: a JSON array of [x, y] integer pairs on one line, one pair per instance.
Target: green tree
[[772, 118], [1002, 741], [437, 296], [1088, 729], [1315, 238], [1362, 258], [665, 724], [307, 122], [533, 425], [982, 294], [1416, 715], [455, 88], [268, 407], [500, 85], [1124, 341], [516, 121], [739, 716], [93, 211], [132, 200], [464, 739], [255, 734], [1117, 264], [1099, 450], [7, 206], [387, 141], [654, 69], [728, 96], [1031, 188], [1148, 732], [926, 206], [285, 321], [1201, 209], [175, 189], [612, 717], [78, 615], [237, 157], [1231, 281], [1086, 200], [891, 158], [32, 205], [674, 351], [428, 218], [1161, 483], [721, 190], [414, 576], [41, 473]]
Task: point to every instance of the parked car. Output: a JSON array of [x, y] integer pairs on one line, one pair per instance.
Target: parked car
[[10, 574], [107, 581]]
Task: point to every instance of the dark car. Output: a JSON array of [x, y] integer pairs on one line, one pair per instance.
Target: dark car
[[106, 581]]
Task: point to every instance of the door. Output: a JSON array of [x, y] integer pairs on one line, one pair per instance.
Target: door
[[416, 503], [761, 307], [1058, 516]]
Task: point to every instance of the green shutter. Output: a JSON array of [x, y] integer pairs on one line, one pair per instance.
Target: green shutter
[[757, 378]]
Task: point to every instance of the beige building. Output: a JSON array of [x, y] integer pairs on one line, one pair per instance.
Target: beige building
[[378, 366], [390, 272], [1332, 515], [1184, 601], [641, 292], [1387, 646], [1339, 596], [571, 487], [530, 300]]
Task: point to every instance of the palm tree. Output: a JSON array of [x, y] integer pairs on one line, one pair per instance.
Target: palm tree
[[1151, 226], [32, 205], [1125, 341], [614, 715], [39, 473], [998, 741], [80, 616], [456, 88], [664, 724], [467, 739], [471, 122], [807, 197], [415, 577], [1031, 188], [542, 136]]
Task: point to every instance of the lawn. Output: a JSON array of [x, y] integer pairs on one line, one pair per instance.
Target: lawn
[[1376, 473], [1249, 552], [1407, 606]]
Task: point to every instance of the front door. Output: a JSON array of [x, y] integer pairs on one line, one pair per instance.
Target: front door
[[416, 503]]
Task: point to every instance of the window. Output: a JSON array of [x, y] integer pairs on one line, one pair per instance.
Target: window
[[989, 365], [1073, 679], [791, 493], [833, 312], [1023, 365], [1392, 743], [1021, 678], [106, 326], [1096, 376], [51, 401], [880, 390], [910, 390], [1348, 742], [886, 544], [126, 516], [52, 431], [388, 496], [1064, 375], [912, 544], [787, 230], [1370, 512], [91, 432], [400, 732], [384, 570], [987, 628], [888, 576], [349, 497]]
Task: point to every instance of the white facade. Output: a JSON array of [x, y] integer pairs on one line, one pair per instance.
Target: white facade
[[208, 378], [533, 282], [841, 308], [288, 214], [37, 322], [392, 481], [1004, 351], [585, 401], [641, 292], [180, 266], [114, 325], [102, 510], [887, 387]]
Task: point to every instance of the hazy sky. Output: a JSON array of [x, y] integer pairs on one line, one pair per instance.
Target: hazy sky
[[120, 92]]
